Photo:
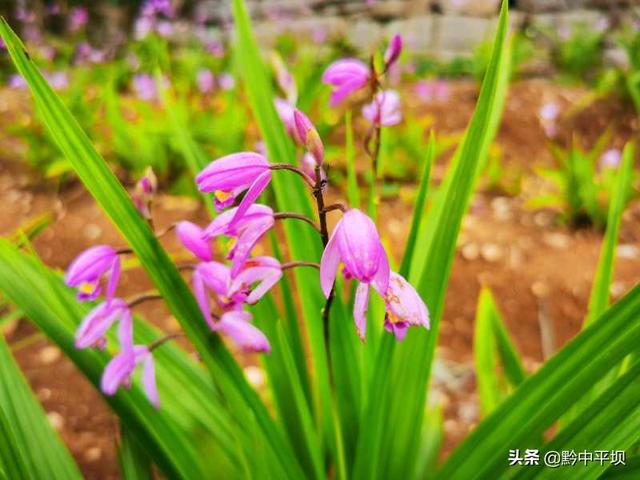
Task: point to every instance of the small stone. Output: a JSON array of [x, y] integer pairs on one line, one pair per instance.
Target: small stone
[[471, 251], [49, 354], [627, 251], [540, 289], [491, 252], [93, 454], [617, 289], [501, 209], [543, 219], [56, 420], [43, 394], [559, 241], [92, 231]]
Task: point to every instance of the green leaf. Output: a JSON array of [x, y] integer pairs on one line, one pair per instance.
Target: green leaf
[[492, 344], [168, 434], [545, 396], [39, 452], [396, 406], [419, 208], [134, 462], [611, 422], [109, 193], [353, 191], [599, 299]]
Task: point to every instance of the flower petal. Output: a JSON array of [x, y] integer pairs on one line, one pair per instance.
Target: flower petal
[[149, 381], [237, 326], [192, 238], [254, 191], [330, 261], [360, 307]]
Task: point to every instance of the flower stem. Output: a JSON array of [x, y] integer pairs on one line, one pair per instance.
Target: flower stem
[[297, 216], [286, 166], [143, 298], [288, 265], [157, 343], [335, 206]]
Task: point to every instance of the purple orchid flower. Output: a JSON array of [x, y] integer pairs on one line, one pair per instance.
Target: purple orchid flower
[[247, 231], [404, 307], [308, 136], [94, 326], [121, 367], [205, 81], [355, 242], [285, 112], [192, 238], [212, 277], [78, 18], [144, 192], [610, 159], [308, 165], [87, 269], [144, 87], [265, 271], [346, 76], [393, 51], [229, 176], [226, 81], [284, 79], [384, 109], [236, 324]]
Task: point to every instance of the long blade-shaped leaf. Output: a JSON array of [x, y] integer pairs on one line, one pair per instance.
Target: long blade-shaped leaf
[[384, 445], [135, 464], [104, 186], [543, 397], [40, 451]]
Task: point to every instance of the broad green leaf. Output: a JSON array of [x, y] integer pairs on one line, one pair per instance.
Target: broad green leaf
[[353, 191], [393, 427], [432, 438], [419, 207], [543, 397], [40, 454], [167, 435], [610, 423], [109, 193], [135, 464], [599, 299]]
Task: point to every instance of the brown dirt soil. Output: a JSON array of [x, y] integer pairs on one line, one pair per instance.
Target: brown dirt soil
[[539, 271]]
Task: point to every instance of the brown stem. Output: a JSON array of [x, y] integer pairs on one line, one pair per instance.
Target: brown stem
[[186, 266], [157, 343], [124, 251], [143, 298], [285, 166], [165, 231], [297, 216], [288, 265], [336, 206], [324, 233]]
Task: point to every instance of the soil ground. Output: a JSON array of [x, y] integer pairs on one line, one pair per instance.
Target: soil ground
[[539, 270]]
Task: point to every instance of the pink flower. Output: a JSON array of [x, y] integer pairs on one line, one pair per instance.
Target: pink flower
[[144, 192], [226, 81], [308, 136], [429, 90], [144, 87], [285, 112], [393, 51], [94, 326], [212, 277], [193, 239], [610, 159], [308, 165], [229, 176], [121, 367], [355, 242], [284, 79], [384, 109], [247, 231], [87, 269], [237, 325], [265, 271], [404, 307], [346, 76], [78, 18], [205, 81]]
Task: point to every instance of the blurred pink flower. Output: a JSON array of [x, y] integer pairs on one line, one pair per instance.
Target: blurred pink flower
[[384, 109]]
